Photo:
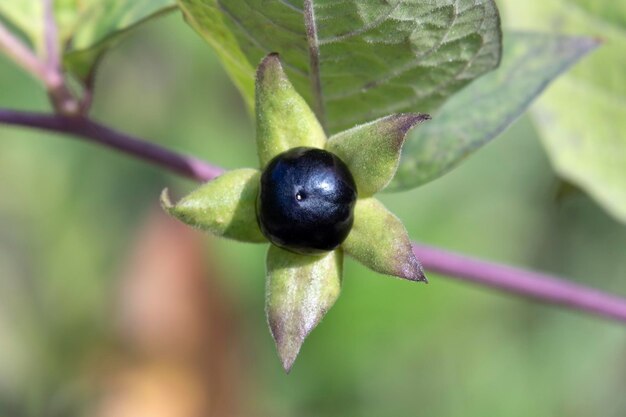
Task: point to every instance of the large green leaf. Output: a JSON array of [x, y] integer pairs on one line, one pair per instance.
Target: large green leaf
[[355, 61], [582, 118], [484, 109], [87, 28]]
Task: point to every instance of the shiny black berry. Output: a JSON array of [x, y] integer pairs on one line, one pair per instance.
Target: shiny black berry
[[306, 201]]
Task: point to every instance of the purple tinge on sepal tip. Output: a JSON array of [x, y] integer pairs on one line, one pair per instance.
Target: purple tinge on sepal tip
[[407, 121], [288, 346], [413, 270], [271, 59]]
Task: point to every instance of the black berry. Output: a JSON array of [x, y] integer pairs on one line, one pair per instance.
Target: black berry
[[306, 201]]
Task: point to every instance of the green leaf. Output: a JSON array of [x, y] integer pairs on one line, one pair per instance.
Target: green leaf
[[283, 119], [87, 28], [372, 150], [379, 241], [480, 112], [300, 290], [582, 118], [225, 206], [357, 60], [101, 24]]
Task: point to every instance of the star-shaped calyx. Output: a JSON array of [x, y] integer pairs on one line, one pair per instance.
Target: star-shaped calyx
[[313, 201]]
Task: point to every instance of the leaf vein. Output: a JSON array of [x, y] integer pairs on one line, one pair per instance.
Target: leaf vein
[[360, 31]]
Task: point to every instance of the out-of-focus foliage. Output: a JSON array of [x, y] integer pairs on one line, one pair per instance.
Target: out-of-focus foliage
[[582, 119], [70, 212], [87, 28]]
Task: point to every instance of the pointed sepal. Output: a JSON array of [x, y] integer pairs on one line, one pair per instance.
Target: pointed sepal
[[225, 206], [372, 150], [379, 241], [283, 118], [300, 290]]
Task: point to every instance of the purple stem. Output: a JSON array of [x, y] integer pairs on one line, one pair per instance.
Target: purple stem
[[541, 287], [85, 128]]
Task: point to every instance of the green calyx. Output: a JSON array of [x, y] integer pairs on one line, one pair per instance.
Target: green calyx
[[224, 207], [379, 241], [301, 289], [372, 151], [283, 119]]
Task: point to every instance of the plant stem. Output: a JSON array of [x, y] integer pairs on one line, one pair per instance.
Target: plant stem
[[49, 73], [314, 60], [21, 54], [86, 128], [51, 37], [542, 287], [58, 91]]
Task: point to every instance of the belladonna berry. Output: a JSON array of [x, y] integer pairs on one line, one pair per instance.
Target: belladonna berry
[[306, 201]]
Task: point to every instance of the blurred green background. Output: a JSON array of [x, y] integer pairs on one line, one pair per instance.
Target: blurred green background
[[72, 214]]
